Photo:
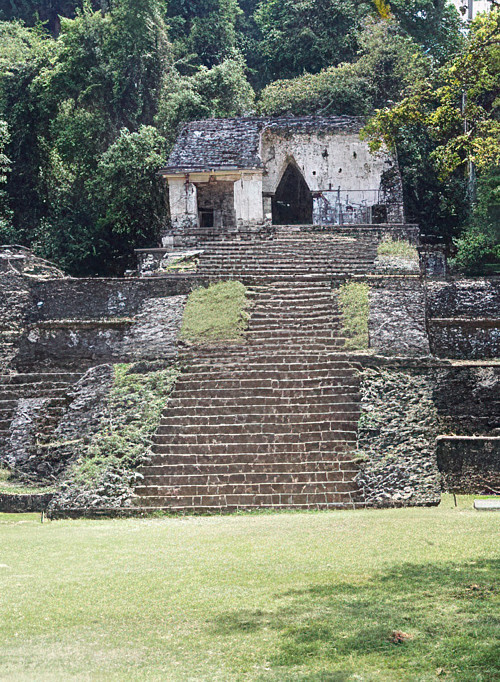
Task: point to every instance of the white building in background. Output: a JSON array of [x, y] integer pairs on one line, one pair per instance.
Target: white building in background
[[476, 7], [309, 170]]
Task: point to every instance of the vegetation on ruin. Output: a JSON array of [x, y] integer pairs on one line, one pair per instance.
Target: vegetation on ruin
[[397, 248], [454, 112], [10, 484], [92, 93], [216, 313], [354, 307], [106, 469], [386, 596]]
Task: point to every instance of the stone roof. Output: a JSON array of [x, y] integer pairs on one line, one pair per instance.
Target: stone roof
[[234, 143]]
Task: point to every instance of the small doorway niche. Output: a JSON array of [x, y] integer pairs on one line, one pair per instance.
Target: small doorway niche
[[292, 203], [207, 218]]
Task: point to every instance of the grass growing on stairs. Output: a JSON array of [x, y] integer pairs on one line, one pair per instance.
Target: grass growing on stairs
[[106, 471], [397, 248], [216, 313], [355, 308]]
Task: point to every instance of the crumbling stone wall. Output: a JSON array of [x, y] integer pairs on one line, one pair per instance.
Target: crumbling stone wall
[[397, 430], [467, 398], [464, 318], [93, 321], [408, 411], [469, 465], [14, 303], [397, 324]]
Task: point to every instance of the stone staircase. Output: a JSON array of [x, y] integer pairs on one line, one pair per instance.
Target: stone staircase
[[272, 422], [291, 252], [53, 386]]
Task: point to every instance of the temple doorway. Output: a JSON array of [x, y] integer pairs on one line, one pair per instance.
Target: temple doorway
[[292, 203]]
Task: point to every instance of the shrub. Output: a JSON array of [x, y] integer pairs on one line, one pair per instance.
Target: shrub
[[355, 307], [216, 313]]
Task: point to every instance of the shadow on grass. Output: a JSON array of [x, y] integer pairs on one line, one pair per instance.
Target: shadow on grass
[[449, 615]]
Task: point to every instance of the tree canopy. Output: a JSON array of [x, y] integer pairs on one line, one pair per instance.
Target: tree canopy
[[92, 93]]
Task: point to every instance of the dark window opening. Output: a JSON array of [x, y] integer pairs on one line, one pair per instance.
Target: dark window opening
[[206, 218], [292, 203]]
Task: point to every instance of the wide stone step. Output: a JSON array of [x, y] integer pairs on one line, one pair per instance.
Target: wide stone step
[[215, 503], [304, 435], [166, 472], [339, 459], [240, 396], [250, 488], [336, 443], [227, 416], [270, 428], [32, 393], [42, 377], [239, 373], [340, 378]]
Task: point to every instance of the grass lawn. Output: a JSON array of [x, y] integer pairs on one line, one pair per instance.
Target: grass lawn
[[270, 597]]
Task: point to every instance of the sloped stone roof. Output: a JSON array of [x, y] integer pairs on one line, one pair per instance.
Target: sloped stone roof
[[233, 143]]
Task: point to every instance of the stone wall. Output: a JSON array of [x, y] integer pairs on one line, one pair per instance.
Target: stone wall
[[464, 318], [96, 299], [397, 430], [14, 304], [397, 324], [79, 322], [408, 409], [469, 465], [467, 397]]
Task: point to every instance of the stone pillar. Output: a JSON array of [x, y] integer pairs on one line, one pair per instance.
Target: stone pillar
[[248, 205], [183, 204]]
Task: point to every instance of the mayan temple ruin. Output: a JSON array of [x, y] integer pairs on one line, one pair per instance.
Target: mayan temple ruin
[[365, 375]]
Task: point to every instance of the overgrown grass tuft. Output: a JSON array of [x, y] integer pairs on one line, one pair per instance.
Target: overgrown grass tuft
[[106, 471], [396, 248], [355, 308], [216, 313]]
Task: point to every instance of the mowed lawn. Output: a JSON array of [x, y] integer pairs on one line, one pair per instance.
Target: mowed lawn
[[270, 597]]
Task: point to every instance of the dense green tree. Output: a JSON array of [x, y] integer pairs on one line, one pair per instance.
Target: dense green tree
[[67, 101], [458, 104], [434, 24], [25, 53], [5, 212], [478, 248], [205, 28], [387, 62], [221, 91], [308, 35], [123, 206], [447, 123], [48, 12]]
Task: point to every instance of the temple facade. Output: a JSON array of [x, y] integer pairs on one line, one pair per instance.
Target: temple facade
[[225, 174]]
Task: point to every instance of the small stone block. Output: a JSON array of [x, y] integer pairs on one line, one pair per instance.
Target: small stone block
[[487, 505]]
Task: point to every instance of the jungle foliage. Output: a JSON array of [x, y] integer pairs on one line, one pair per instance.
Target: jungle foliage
[[92, 93]]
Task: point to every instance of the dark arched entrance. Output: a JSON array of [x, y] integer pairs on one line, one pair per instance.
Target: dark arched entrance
[[292, 203]]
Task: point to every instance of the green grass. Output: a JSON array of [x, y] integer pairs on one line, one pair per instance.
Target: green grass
[[398, 249], [216, 313], [271, 597], [355, 309]]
